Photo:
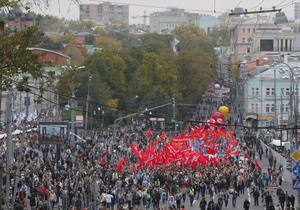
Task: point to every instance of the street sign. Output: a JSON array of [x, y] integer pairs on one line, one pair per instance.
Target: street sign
[[295, 155], [296, 184], [296, 170]]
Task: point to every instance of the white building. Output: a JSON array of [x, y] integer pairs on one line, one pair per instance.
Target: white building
[[165, 22]]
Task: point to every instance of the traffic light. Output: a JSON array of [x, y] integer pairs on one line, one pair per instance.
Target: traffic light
[[173, 102]]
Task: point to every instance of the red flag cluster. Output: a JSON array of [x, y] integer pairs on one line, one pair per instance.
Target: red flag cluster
[[203, 146]]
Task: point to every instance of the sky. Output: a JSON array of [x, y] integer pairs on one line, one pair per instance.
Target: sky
[[63, 8]]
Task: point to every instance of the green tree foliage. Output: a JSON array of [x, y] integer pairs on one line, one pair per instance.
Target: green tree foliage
[[16, 59], [49, 23], [48, 43], [86, 26], [107, 43], [188, 32], [220, 36], [157, 43], [194, 73], [157, 80]]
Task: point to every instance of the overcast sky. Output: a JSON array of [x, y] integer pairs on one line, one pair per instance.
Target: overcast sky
[[137, 7]]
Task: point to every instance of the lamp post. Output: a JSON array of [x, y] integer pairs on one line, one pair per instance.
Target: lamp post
[[72, 101], [87, 106], [275, 103]]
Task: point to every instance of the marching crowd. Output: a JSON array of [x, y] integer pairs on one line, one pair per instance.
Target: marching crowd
[[85, 177]]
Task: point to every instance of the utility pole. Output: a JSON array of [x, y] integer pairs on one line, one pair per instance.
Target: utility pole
[[87, 106], [9, 145], [72, 116], [174, 111]]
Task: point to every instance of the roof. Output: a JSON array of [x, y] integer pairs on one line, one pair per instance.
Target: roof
[[49, 51]]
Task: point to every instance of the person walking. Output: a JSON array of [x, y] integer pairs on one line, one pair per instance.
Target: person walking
[[191, 195], [203, 204], [256, 195], [246, 204]]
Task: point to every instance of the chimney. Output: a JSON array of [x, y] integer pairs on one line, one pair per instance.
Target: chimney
[[257, 62]]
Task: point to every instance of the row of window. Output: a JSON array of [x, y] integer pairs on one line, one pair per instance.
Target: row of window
[[248, 30], [269, 108], [270, 91]]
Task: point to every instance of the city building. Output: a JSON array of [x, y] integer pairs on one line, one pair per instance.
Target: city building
[[207, 22], [23, 99], [165, 22], [297, 10], [267, 86], [104, 13]]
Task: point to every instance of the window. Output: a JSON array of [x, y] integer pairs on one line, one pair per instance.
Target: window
[[249, 30], [272, 91], [243, 40], [248, 50], [244, 30], [256, 107], [272, 108], [287, 91], [266, 45], [268, 93], [254, 91], [252, 107], [253, 30], [268, 108]]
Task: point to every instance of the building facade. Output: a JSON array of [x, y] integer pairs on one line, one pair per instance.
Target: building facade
[[104, 13], [267, 91], [165, 22]]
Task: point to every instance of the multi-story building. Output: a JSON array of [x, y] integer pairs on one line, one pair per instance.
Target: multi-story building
[[267, 87], [165, 22], [207, 22], [104, 13], [297, 10]]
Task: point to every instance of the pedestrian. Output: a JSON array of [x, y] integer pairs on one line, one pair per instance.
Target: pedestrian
[[291, 199], [282, 199], [178, 198], [191, 195], [226, 198], [234, 196], [203, 204], [256, 195], [270, 207], [246, 204]]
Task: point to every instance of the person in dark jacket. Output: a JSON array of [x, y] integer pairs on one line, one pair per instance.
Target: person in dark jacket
[[18, 206], [32, 201], [246, 204], [203, 204], [256, 195]]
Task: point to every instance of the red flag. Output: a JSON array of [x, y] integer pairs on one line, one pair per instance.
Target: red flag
[[258, 165], [102, 160], [121, 164], [148, 134], [233, 142]]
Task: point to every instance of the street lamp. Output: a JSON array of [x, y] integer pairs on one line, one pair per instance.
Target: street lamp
[[72, 101], [293, 72], [87, 105]]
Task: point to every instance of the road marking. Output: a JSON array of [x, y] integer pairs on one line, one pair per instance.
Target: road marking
[[248, 191]]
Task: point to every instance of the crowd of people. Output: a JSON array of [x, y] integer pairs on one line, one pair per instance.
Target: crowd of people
[[84, 175]]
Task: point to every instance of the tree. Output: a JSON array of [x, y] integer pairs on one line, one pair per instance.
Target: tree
[[16, 59], [157, 80], [107, 43], [188, 32], [219, 36], [194, 73], [157, 43], [48, 43]]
